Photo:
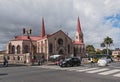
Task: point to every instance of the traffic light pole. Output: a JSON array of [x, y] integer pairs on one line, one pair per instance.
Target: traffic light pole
[[28, 32]]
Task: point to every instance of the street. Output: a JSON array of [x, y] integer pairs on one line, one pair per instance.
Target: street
[[52, 73]]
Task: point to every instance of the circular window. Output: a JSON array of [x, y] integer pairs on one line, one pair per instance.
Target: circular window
[[60, 41]]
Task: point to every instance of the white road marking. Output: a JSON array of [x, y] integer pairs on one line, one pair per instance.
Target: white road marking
[[87, 69], [109, 72], [99, 70], [117, 75]]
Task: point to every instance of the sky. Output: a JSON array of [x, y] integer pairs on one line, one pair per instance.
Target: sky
[[98, 18]]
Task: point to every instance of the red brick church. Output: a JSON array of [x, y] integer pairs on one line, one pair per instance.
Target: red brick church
[[23, 48]]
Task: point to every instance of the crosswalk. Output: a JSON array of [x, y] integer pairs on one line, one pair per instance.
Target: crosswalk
[[91, 70]]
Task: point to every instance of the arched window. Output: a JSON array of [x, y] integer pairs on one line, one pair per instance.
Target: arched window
[[9, 48], [18, 49], [80, 49], [26, 48], [8, 58], [68, 48], [18, 58], [13, 49], [60, 41], [50, 48]]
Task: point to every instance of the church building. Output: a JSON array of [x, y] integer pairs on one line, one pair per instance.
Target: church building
[[25, 47]]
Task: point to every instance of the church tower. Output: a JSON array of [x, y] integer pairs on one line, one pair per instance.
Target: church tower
[[79, 47], [79, 35], [42, 33]]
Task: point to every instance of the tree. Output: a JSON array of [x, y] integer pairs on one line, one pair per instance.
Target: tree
[[90, 49], [107, 43], [105, 50]]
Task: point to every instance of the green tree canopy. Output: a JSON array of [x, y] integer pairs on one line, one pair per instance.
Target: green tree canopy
[[90, 49]]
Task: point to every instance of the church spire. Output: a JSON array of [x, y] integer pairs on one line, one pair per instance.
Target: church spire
[[42, 33], [79, 34], [78, 26]]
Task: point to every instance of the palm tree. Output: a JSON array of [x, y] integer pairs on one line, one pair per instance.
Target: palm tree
[[107, 43]]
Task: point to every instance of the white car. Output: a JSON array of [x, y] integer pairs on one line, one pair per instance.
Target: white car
[[107, 59], [55, 56], [102, 62]]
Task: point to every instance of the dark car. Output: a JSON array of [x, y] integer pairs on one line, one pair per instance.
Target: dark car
[[70, 62]]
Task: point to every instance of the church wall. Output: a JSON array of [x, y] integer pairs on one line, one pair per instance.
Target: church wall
[[54, 40], [79, 50], [15, 44], [42, 47]]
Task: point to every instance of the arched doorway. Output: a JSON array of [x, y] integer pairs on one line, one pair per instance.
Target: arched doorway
[[61, 51], [18, 49], [13, 49]]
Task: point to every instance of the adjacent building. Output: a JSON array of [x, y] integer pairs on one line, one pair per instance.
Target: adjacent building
[[116, 52]]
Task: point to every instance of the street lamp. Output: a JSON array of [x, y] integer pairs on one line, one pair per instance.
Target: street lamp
[[28, 33]]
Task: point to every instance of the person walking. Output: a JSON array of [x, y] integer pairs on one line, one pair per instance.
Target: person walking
[[5, 62], [91, 61], [41, 61]]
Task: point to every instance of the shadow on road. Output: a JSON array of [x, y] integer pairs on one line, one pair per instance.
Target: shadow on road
[[12, 65], [1, 74]]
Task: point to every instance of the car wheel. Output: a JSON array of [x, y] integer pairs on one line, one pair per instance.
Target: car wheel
[[68, 65], [78, 64], [61, 65]]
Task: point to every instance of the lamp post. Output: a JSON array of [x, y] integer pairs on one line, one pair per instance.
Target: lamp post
[[28, 33]]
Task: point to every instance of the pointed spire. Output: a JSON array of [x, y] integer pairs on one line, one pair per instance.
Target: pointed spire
[[78, 25], [79, 34], [42, 33]]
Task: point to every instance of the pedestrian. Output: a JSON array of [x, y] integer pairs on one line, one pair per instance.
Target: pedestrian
[[92, 62], [43, 58], [5, 62], [39, 61]]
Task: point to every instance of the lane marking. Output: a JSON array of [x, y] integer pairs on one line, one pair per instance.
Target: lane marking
[[99, 70], [117, 75], [87, 69], [109, 72]]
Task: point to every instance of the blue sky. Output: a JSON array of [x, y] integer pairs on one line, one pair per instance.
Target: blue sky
[[98, 18], [114, 20]]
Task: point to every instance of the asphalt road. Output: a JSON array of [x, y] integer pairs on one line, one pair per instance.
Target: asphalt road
[[38, 74]]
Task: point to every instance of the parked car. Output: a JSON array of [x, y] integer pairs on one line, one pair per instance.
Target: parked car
[[108, 59], [74, 61], [94, 60], [104, 61], [56, 58]]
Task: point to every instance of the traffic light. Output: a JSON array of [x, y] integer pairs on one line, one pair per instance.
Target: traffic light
[[29, 31], [23, 30]]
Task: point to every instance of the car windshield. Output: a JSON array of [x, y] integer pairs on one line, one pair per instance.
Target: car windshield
[[67, 59]]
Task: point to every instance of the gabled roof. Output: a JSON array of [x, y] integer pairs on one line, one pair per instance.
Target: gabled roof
[[49, 35]]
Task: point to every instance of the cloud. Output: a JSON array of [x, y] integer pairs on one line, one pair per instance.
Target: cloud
[[92, 13], [16, 14]]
